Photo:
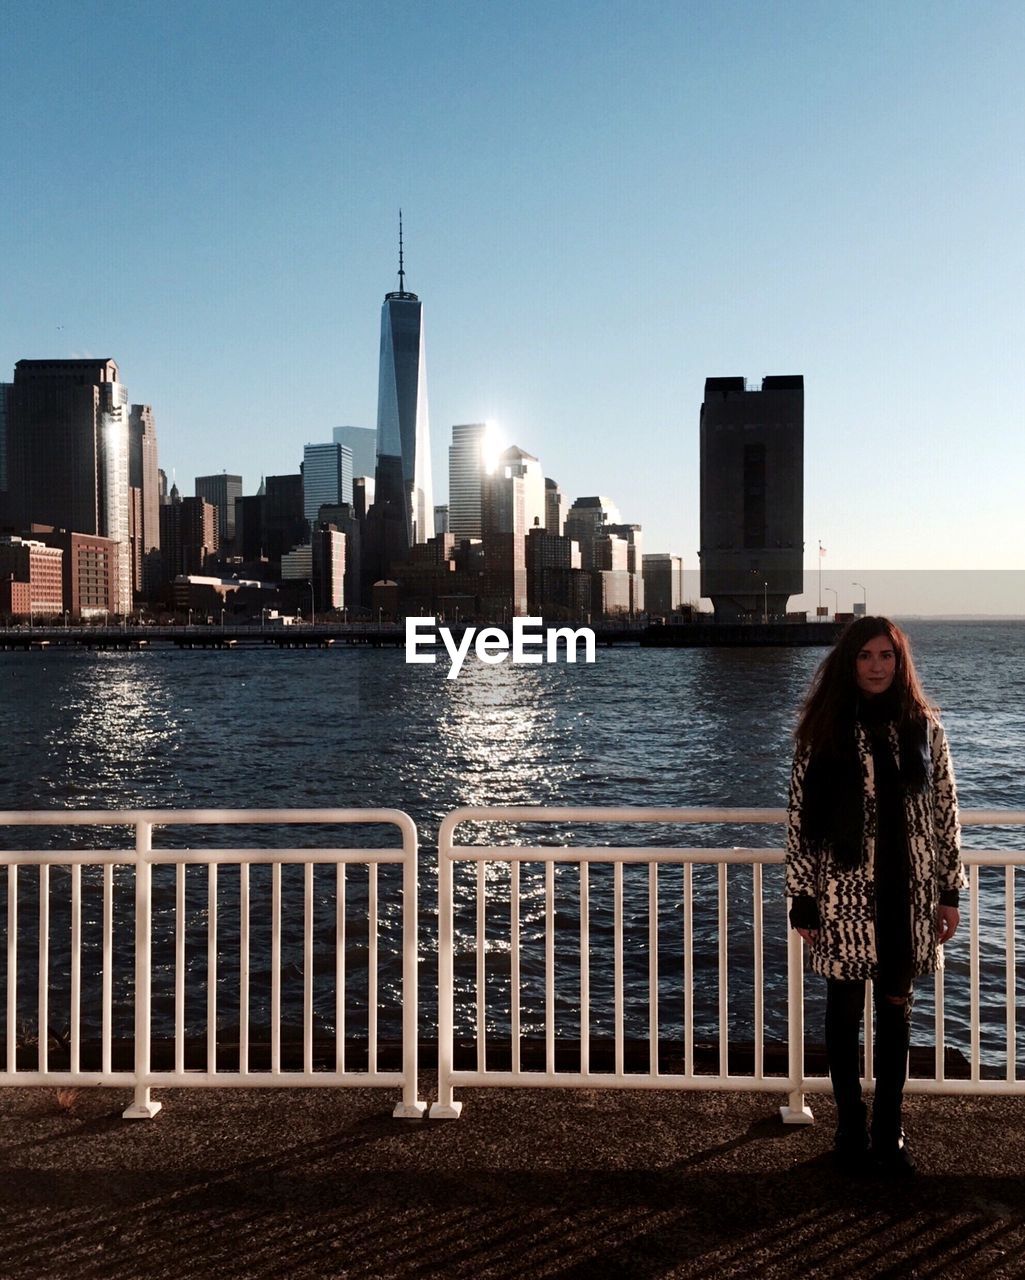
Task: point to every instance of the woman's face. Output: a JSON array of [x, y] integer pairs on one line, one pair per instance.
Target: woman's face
[[875, 665]]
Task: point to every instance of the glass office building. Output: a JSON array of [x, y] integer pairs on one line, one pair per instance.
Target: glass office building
[[403, 475], [327, 478]]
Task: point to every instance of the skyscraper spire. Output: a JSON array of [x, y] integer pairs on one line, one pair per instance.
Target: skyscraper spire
[[402, 274]]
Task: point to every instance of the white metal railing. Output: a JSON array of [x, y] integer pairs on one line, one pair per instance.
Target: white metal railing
[[795, 1081], [986, 938], [140, 863]]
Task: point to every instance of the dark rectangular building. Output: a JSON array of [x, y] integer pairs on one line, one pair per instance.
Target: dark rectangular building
[[221, 492], [188, 536], [55, 444], [752, 496], [284, 524]]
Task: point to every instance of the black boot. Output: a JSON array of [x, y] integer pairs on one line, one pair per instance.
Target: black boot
[[894, 1162], [889, 1147], [845, 1002], [851, 1144]]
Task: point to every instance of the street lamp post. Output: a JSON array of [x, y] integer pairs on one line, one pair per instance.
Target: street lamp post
[[836, 600], [313, 607], [864, 597]]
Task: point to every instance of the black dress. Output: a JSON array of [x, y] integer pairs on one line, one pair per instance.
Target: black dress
[[894, 950]]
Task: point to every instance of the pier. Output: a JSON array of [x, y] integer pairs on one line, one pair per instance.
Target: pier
[[199, 636], [741, 635]]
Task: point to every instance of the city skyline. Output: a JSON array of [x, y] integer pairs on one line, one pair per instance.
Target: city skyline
[[710, 193]]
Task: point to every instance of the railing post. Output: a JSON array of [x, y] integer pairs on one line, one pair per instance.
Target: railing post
[[445, 1108], [796, 1110], [142, 1107], [410, 1108]]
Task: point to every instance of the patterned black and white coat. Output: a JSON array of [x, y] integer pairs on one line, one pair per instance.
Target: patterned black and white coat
[[846, 946]]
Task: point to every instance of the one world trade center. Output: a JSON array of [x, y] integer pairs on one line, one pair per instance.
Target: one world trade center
[[403, 480]]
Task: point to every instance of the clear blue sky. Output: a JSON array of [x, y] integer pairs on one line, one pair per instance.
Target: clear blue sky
[[604, 204]]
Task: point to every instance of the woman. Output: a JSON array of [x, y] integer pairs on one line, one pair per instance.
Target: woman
[[873, 865]]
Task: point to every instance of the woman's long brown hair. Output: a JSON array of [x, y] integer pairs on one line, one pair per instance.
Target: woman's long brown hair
[[832, 699]]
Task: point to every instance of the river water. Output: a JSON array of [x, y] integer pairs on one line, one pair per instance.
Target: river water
[[350, 727]]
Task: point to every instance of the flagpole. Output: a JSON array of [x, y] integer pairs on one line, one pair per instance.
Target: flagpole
[[820, 577]]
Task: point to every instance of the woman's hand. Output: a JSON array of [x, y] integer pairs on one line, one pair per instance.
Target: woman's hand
[[947, 920], [809, 935]]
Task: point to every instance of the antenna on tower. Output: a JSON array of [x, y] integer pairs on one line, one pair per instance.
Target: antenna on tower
[[402, 274]]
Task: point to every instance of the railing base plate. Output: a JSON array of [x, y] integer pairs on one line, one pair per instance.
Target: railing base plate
[[409, 1110], [446, 1110], [141, 1111], [796, 1115]]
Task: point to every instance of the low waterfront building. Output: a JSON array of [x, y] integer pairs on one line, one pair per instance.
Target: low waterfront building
[[15, 599], [210, 599], [90, 571], [37, 566]]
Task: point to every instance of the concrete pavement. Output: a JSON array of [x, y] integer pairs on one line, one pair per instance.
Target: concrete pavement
[[320, 1183]]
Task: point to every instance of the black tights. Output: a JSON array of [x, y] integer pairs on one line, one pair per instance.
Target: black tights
[[845, 1003]]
